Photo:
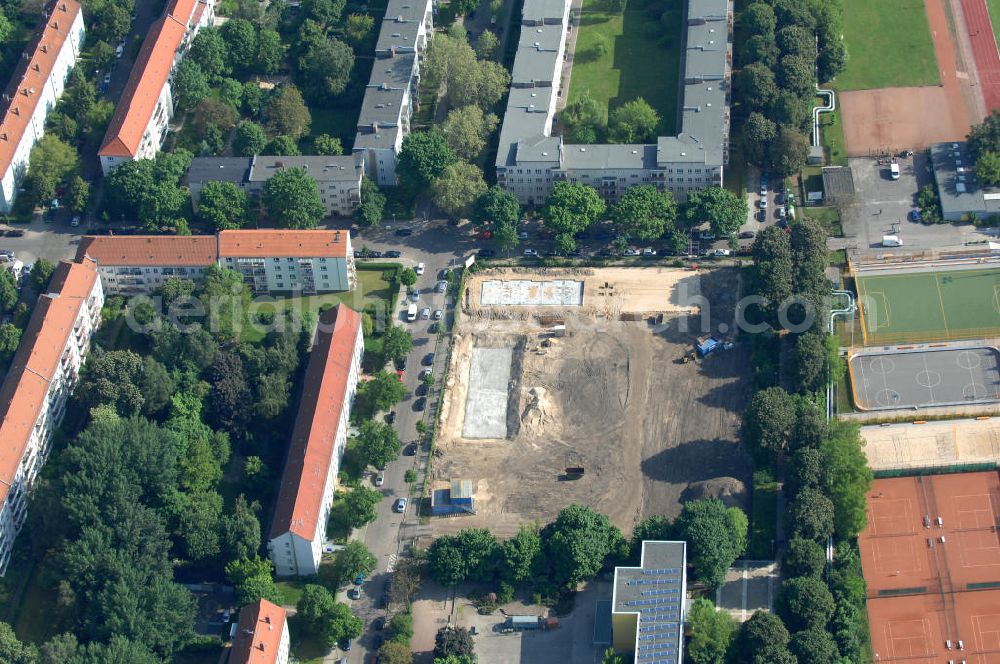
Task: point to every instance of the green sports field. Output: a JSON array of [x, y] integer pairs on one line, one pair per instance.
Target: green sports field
[[888, 45], [930, 306]]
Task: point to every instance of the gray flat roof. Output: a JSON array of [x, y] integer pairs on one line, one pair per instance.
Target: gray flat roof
[[958, 187], [541, 10], [656, 591], [226, 169], [345, 168], [537, 54], [383, 100], [619, 155], [526, 119]]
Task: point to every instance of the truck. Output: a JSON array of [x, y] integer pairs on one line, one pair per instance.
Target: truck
[[411, 312], [891, 241], [522, 623]]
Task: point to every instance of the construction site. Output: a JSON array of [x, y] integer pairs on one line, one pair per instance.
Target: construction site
[[584, 386]]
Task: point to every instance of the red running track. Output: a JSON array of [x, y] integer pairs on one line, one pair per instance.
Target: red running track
[[984, 49]]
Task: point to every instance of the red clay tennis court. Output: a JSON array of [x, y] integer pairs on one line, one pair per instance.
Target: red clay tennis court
[[931, 559]]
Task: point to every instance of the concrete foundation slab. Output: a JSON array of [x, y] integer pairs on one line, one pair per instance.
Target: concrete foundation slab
[[521, 292], [487, 398]]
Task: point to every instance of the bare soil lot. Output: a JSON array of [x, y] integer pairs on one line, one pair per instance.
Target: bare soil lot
[[610, 396]]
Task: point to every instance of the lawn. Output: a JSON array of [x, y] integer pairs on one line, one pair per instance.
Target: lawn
[[641, 59], [339, 122], [888, 45], [828, 217], [763, 517], [831, 137], [931, 306]]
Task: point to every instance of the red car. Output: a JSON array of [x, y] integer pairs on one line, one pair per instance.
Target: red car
[[484, 235], [400, 373]]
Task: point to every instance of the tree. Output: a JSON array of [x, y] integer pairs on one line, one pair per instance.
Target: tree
[[848, 478], [716, 537], [8, 291], [634, 122], [228, 402], [712, 632], [407, 276], [270, 52], [480, 550], [282, 146], [286, 113], [358, 27], [763, 633], [463, 7], [12, 650], [400, 628], [758, 19], [768, 421], [241, 529], [644, 213], [372, 207], [988, 168], [249, 139], [805, 471], [457, 188], [758, 134], [572, 207], [505, 238], [111, 380], [352, 560], [10, 337], [292, 199], [723, 209], [446, 562], [796, 74], [481, 82], [394, 652], [467, 129], [41, 273], [453, 641], [487, 45], [209, 51], [378, 442], [324, 69], [422, 159], [325, 144], [397, 342], [54, 158], [519, 555], [360, 504], [609, 657], [805, 602], [382, 392], [832, 55], [772, 271], [60, 649], [241, 43], [251, 577], [809, 256], [324, 12], [577, 544], [498, 207], [803, 557], [79, 195], [809, 361], [815, 645], [326, 618], [761, 50], [810, 516], [228, 301], [755, 84], [789, 109], [223, 205], [584, 119], [798, 41], [788, 152], [190, 85]]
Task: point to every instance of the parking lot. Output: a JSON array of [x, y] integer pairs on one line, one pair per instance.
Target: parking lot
[[882, 206]]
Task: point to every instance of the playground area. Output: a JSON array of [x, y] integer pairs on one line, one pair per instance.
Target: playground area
[[925, 377], [535, 390], [931, 560], [940, 301]]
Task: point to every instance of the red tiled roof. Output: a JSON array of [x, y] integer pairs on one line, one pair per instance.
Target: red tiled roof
[[138, 101], [258, 637], [310, 454], [283, 243], [160, 250], [36, 362], [31, 76]]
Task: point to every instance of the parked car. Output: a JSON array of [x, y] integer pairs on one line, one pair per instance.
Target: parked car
[[648, 252], [718, 253], [438, 314], [425, 313], [393, 254], [374, 254], [410, 450], [14, 232], [380, 479], [487, 253], [631, 252], [522, 235], [420, 404], [484, 235], [399, 506], [415, 295], [707, 236], [441, 286], [530, 253], [914, 216], [390, 417], [746, 235], [428, 360], [419, 269], [780, 213], [75, 221], [404, 232], [359, 579], [345, 645], [763, 202], [427, 372], [355, 594]]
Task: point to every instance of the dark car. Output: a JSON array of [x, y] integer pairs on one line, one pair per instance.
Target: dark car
[[487, 253], [746, 235], [390, 417], [420, 404], [404, 232], [379, 623], [345, 645], [428, 360], [393, 254], [374, 254], [401, 364], [13, 233], [605, 252], [410, 450]]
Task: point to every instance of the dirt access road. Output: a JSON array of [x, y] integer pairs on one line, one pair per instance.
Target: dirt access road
[[611, 396]]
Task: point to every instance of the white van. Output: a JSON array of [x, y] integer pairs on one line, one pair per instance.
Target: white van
[[891, 241], [411, 312], [894, 171]]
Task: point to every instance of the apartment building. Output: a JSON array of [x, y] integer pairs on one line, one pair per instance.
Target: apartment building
[[392, 93], [42, 376], [143, 114], [261, 635], [295, 543], [139, 264], [338, 178], [530, 159], [37, 83], [271, 261]]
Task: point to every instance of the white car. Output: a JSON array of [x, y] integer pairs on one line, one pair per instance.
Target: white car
[[631, 252], [380, 479], [522, 235], [427, 372], [420, 268], [530, 252], [763, 202], [438, 314], [425, 313], [649, 251], [399, 506], [718, 253], [74, 222]]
